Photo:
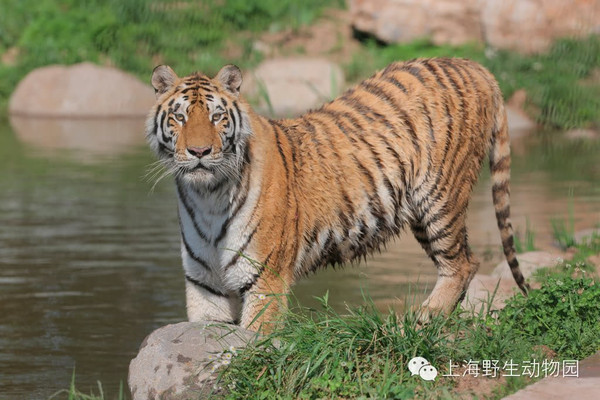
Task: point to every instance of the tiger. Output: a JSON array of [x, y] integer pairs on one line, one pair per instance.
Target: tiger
[[263, 202]]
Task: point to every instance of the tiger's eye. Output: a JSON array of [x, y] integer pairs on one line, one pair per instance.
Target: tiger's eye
[[179, 117], [216, 117]]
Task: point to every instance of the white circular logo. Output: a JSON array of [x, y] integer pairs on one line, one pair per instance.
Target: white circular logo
[[416, 363], [428, 372]]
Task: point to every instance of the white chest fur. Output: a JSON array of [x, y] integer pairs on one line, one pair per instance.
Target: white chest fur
[[217, 230]]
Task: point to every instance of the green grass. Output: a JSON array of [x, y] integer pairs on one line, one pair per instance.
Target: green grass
[[72, 393], [138, 34], [564, 232], [556, 93], [363, 353], [526, 243]]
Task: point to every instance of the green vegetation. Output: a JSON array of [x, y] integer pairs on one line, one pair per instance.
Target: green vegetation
[[364, 353], [527, 243], [562, 85], [138, 34], [73, 394], [564, 233], [554, 81], [552, 316]]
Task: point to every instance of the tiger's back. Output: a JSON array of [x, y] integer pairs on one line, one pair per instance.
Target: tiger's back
[[375, 156], [404, 147]]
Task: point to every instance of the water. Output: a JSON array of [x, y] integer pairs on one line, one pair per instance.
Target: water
[[89, 254]]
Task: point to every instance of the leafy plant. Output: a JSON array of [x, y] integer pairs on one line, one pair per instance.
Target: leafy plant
[[562, 315]]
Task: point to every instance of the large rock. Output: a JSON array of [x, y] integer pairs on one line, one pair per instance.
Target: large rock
[[182, 361], [523, 25], [530, 26], [81, 90], [493, 290], [489, 292], [397, 21], [290, 86], [528, 263]]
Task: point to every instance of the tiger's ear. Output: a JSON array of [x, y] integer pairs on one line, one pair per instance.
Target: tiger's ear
[[230, 77], [163, 79]]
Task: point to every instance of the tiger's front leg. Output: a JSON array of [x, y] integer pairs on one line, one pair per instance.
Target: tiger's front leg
[[264, 304], [205, 304]]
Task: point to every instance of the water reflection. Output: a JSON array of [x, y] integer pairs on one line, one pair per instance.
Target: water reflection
[[82, 138], [89, 258]]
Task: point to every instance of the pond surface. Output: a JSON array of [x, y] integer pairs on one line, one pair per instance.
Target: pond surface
[[89, 251]]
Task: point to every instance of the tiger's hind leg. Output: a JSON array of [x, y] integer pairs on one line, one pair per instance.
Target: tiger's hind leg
[[444, 238]]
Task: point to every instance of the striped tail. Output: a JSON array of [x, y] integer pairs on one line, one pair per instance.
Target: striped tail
[[500, 169]]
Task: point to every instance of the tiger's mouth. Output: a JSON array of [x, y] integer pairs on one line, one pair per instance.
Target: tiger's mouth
[[201, 167]]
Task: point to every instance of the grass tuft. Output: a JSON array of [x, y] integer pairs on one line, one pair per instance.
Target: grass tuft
[[363, 353], [528, 242]]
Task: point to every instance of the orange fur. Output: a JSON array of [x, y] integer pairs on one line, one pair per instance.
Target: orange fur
[[404, 147]]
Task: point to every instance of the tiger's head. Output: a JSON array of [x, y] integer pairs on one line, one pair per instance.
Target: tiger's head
[[199, 126]]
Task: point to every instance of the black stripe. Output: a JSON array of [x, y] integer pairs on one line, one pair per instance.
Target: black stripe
[[414, 71], [205, 287], [435, 74], [233, 119], [453, 82], [355, 124], [191, 253], [291, 140], [250, 284], [239, 206], [241, 250], [458, 241], [280, 149], [192, 214], [395, 82], [374, 200], [402, 115], [357, 106], [499, 189], [162, 119], [508, 243], [184, 91], [427, 199], [239, 113], [502, 216], [164, 148], [430, 125], [316, 142], [502, 164]]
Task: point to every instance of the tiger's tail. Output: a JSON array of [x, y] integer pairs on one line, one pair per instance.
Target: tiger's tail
[[500, 170]]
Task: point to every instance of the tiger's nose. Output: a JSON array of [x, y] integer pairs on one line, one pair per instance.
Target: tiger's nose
[[199, 151]]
